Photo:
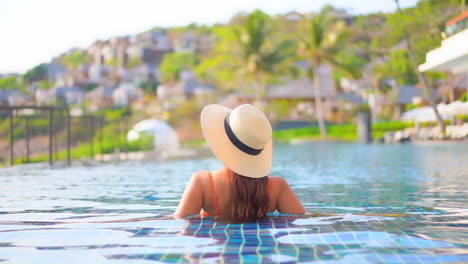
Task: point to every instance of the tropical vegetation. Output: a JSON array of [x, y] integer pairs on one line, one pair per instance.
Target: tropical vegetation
[[256, 50], [323, 38]]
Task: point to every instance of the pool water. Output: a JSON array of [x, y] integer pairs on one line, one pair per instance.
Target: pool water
[[365, 203]]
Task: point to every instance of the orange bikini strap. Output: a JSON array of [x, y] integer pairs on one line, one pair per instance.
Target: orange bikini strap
[[215, 197], [270, 184]]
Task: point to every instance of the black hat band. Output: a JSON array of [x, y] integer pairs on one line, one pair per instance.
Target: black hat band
[[236, 142]]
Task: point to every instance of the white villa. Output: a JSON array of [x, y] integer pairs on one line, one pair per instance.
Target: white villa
[[453, 54], [125, 93]]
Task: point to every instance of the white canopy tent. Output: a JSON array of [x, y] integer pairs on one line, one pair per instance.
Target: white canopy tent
[[458, 108], [165, 137], [426, 114]]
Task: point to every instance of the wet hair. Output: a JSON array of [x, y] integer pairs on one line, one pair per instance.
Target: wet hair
[[250, 195]]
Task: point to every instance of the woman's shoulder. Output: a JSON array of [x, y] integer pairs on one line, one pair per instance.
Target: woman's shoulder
[[278, 184], [284, 197], [277, 180], [201, 176], [201, 173]]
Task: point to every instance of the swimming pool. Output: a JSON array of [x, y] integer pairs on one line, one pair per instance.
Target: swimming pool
[[366, 204]]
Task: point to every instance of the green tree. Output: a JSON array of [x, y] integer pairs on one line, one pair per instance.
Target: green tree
[[149, 87], [422, 78], [111, 62], [75, 59], [174, 63], [347, 56], [323, 38], [248, 53], [399, 67], [380, 35], [261, 57], [86, 87], [44, 84], [12, 83], [220, 68], [133, 62], [8, 83], [35, 74]]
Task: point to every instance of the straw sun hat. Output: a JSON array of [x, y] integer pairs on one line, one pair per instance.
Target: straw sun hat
[[240, 138]]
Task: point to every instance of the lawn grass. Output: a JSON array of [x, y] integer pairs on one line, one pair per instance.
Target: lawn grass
[[188, 143], [110, 142], [342, 132]]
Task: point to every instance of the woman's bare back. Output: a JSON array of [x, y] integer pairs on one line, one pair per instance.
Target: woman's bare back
[[198, 195]]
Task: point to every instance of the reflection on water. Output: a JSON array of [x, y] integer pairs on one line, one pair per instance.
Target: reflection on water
[[366, 203]]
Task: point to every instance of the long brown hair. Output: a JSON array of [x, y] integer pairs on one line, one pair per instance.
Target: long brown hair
[[250, 195]]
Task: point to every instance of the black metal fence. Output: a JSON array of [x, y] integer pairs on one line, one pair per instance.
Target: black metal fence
[[55, 125]]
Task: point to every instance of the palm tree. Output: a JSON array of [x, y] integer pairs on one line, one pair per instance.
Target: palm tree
[[323, 37], [261, 58], [422, 78]]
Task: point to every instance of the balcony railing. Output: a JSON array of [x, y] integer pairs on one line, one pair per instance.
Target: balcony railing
[[457, 24]]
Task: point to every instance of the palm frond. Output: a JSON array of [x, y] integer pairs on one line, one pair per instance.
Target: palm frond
[[347, 68]]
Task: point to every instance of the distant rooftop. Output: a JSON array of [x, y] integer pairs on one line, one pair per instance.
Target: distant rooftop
[[408, 92]]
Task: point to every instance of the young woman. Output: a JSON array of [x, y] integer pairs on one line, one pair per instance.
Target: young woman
[[242, 140]]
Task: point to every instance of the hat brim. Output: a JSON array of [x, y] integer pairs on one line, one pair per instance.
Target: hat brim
[[253, 166]]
